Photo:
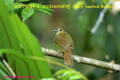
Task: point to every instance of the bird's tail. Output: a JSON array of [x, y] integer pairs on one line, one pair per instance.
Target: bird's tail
[[68, 58]]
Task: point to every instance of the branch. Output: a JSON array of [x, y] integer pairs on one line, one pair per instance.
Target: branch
[[8, 67], [99, 21], [100, 18], [83, 60]]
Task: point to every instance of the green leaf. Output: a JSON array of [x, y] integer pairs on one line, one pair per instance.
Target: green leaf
[[31, 47], [9, 4], [63, 72], [22, 0], [4, 69], [17, 6], [26, 13], [79, 4], [45, 11], [40, 7], [8, 38], [75, 77], [48, 79], [3, 76], [67, 74], [16, 35]]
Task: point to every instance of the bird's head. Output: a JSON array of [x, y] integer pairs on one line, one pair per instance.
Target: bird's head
[[58, 30]]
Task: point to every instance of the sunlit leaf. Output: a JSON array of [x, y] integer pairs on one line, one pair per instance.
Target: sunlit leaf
[[22, 0], [40, 7], [16, 35], [75, 77], [9, 4], [66, 74], [27, 12], [48, 79], [4, 76]]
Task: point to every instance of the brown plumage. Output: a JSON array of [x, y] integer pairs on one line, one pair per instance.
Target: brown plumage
[[65, 42]]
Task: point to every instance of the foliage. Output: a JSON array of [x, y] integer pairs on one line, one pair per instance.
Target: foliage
[[48, 79], [26, 13], [4, 72], [65, 74], [28, 8], [16, 35]]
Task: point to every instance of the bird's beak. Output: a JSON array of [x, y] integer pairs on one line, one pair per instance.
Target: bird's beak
[[54, 30]]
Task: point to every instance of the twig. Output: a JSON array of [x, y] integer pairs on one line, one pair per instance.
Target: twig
[[8, 67], [100, 18], [84, 60]]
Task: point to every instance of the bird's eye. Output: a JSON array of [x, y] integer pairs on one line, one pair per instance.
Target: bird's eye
[[61, 29]]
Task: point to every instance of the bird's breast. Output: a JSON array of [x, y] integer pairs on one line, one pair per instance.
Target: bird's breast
[[64, 41]]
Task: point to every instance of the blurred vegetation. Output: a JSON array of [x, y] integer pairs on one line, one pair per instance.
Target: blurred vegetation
[[103, 45]]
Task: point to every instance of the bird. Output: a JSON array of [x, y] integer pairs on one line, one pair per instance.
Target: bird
[[65, 42]]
